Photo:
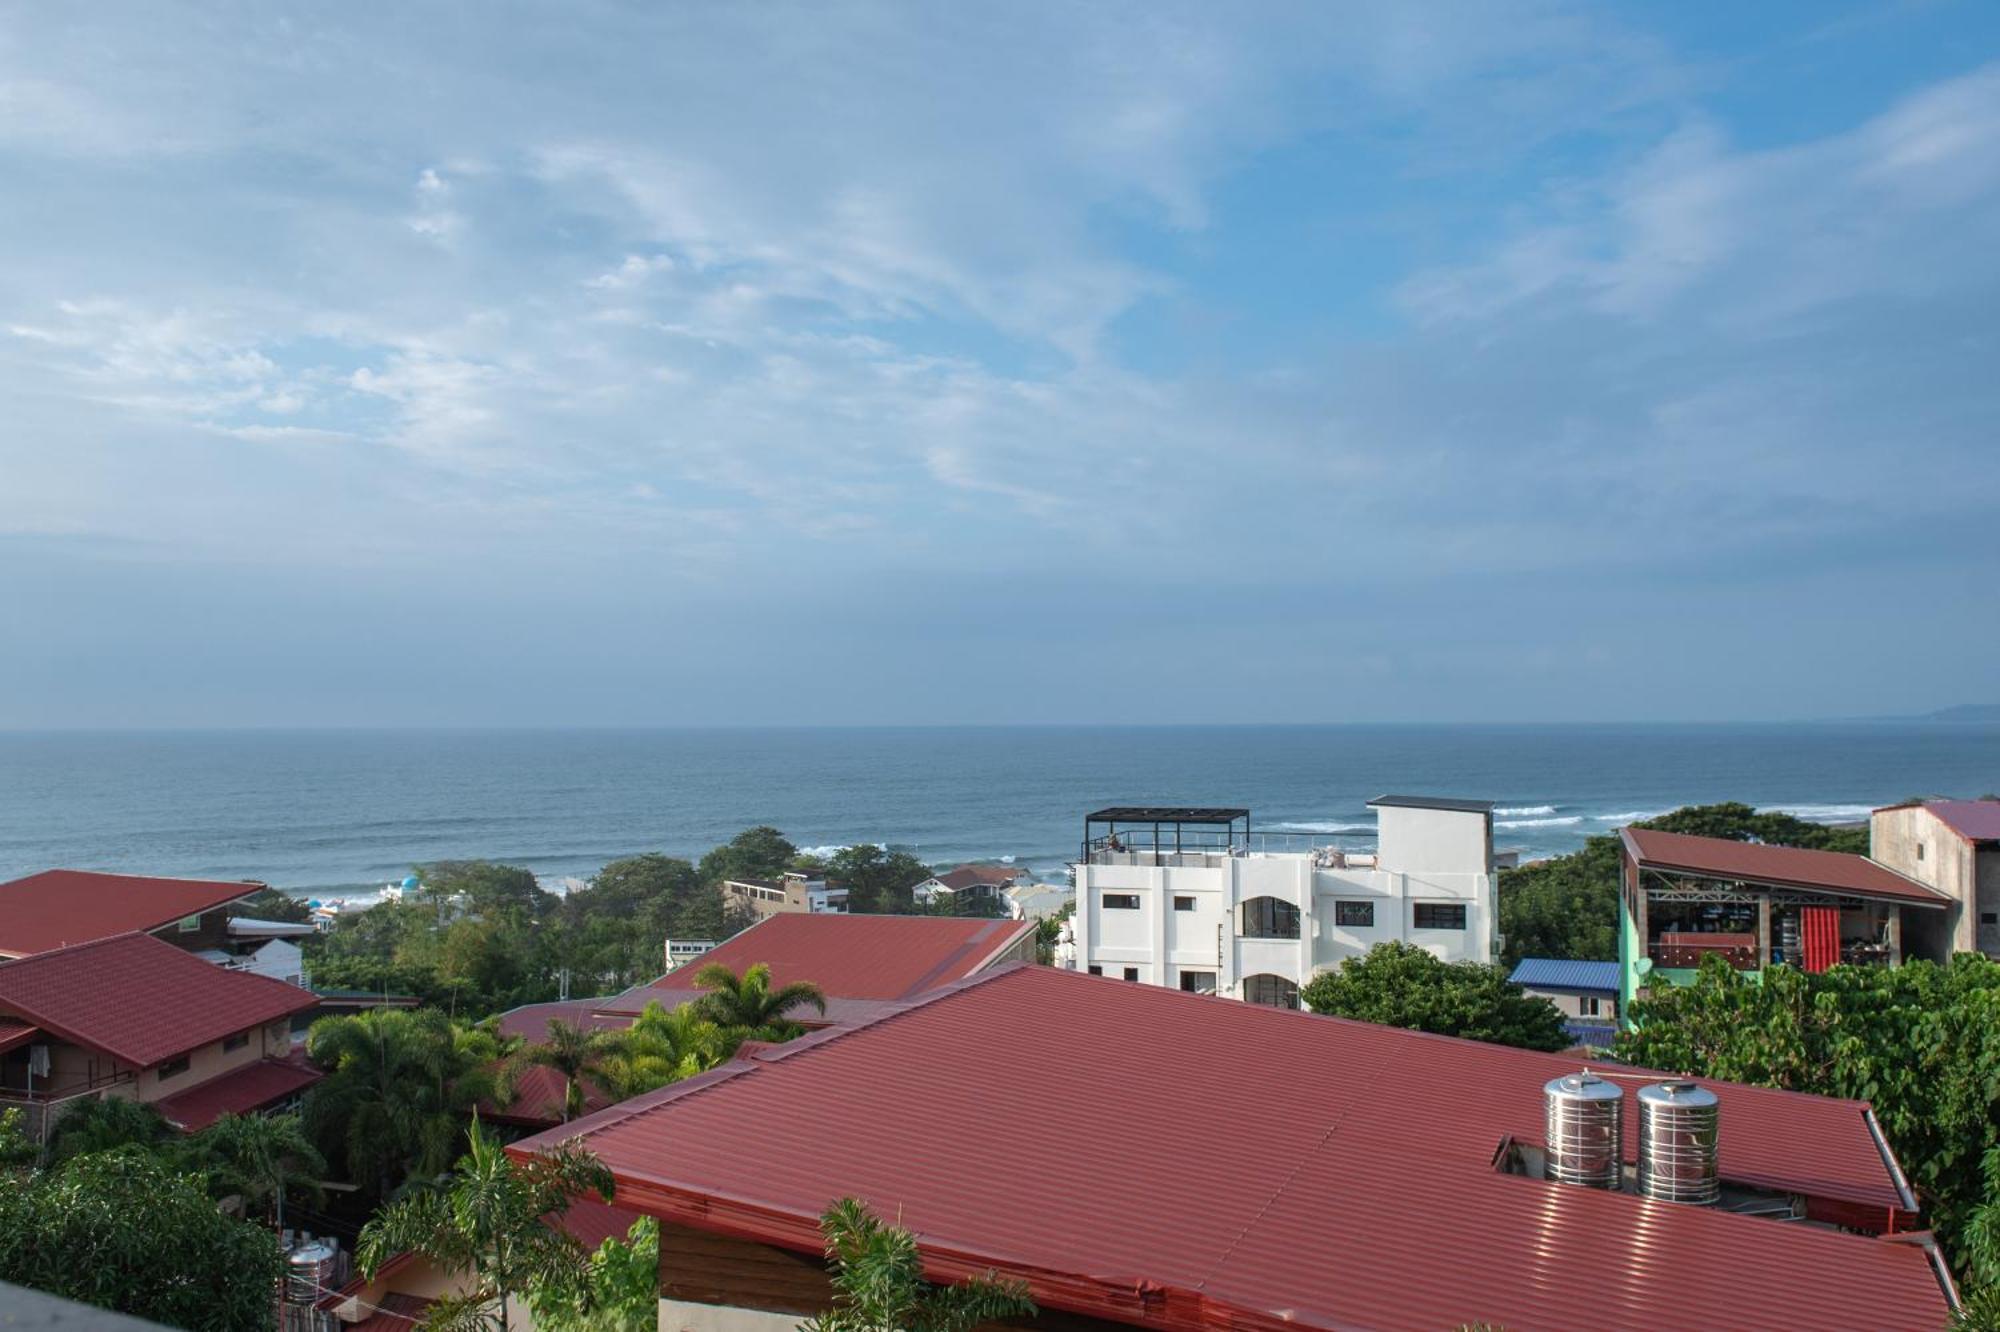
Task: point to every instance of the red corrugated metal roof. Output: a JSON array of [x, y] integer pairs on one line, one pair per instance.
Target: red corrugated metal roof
[[251, 1087], [1978, 820], [14, 1033], [139, 999], [1245, 1167], [59, 907], [860, 957], [1775, 866], [531, 1021]]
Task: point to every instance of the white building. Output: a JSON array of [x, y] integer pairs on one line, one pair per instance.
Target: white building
[[1182, 897]]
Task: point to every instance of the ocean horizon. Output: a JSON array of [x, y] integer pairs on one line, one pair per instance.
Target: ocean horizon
[[342, 811]]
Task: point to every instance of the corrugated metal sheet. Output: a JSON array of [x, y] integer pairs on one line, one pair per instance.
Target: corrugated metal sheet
[[59, 907], [1234, 1166], [531, 1021], [1562, 973], [251, 1087], [1978, 820], [140, 999], [1777, 866]]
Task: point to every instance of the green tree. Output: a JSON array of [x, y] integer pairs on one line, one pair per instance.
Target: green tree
[[259, 1158], [1920, 1042], [17, 1150], [662, 1047], [619, 1293], [401, 1086], [104, 1124], [755, 853], [879, 1286], [1048, 933], [121, 1230], [581, 1057], [748, 1003], [878, 881], [490, 1221], [485, 886], [1401, 985]]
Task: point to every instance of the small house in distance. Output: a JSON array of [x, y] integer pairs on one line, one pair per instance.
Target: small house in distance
[[795, 893], [1684, 898], [1954, 847], [1585, 993], [980, 883]]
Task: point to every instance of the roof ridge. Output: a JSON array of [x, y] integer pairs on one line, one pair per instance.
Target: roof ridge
[[131, 874]]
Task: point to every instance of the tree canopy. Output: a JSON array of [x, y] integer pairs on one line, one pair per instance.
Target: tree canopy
[[879, 1286], [1401, 985], [749, 1003]]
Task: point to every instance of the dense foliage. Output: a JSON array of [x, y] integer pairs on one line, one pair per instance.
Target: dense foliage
[[1401, 985], [1920, 1041], [1568, 906], [489, 1222], [124, 1230], [619, 1292], [879, 1286], [748, 1002]]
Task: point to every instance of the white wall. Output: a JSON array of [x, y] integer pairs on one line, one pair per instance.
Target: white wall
[[1424, 841]]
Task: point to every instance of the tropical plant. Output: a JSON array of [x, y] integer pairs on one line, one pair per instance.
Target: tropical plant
[[1401, 985], [122, 1230], [259, 1158], [490, 1221], [400, 1088], [106, 1123], [620, 1292], [879, 1286], [748, 1003], [17, 1149], [662, 1047], [580, 1057]]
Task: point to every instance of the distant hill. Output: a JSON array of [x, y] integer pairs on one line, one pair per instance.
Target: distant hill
[[1965, 712]]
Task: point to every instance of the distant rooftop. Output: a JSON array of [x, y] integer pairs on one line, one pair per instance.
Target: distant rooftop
[[59, 907], [1974, 820], [1774, 866], [1167, 814], [1433, 802], [1563, 973]]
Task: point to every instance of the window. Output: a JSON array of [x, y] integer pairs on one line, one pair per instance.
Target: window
[[236, 1042], [1131, 973], [1198, 982], [1920, 850], [1183, 904], [1121, 901], [1271, 991], [189, 924], [1440, 915], [1586, 1006], [1096, 970], [1989, 918], [173, 1068], [1354, 915], [1269, 918]]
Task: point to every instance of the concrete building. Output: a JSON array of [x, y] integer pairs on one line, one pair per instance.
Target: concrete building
[[980, 883], [1181, 897], [1953, 846], [795, 893], [1585, 993]]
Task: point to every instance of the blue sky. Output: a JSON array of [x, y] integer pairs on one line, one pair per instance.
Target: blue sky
[[853, 363]]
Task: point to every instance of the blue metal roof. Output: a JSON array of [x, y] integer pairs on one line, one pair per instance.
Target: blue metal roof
[[1557, 973]]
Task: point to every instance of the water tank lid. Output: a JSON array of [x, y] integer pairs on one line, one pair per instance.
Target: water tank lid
[[1583, 1086], [1678, 1093], [318, 1251]]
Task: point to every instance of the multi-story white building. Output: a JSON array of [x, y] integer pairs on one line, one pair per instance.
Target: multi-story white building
[[1181, 897]]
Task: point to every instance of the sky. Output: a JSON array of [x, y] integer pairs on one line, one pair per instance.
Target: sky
[[855, 363]]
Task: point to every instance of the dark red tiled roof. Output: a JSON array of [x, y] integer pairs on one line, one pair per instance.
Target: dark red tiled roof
[[1775, 866], [860, 957], [1975, 820], [966, 876], [13, 1033], [1253, 1168], [590, 1222], [141, 1000], [59, 907], [251, 1087], [538, 1099]]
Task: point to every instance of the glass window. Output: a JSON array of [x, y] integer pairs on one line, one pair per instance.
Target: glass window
[[1121, 901], [1131, 973], [1271, 991], [1354, 915], [189, 924], [1096, 970], [236, 1042], [1587, 1006], [173, 1068], [1269, 918], [1183, 904], [1440, 915], [1198, 982]]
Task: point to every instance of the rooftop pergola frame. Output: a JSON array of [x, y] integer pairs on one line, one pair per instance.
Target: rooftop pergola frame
[[1166, 830]]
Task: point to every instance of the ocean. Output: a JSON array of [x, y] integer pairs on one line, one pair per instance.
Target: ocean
[[326, 812]]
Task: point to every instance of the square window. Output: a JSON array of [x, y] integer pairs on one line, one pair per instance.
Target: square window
[[1131, 973], [1587, 1006], [1183, 904], [1121, 901], [1198, 982], [1096, 970], [189, 924], [1440, 915], [1354, 915]]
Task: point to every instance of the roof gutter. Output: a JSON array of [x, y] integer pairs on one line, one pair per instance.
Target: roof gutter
[[1889, 1159]]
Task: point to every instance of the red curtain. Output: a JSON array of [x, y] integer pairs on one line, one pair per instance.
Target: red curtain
[[1819, 928]]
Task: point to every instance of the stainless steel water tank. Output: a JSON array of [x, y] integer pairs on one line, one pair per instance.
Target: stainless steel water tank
[[1586, 1117], [311, 1271], [1678, 1123]]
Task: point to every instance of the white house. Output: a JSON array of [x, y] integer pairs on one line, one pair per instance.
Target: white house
[[978, 882], [1181, 897]]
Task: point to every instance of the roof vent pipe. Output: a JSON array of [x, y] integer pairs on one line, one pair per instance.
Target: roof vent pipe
[[1678, 1122], [1586, 1116]]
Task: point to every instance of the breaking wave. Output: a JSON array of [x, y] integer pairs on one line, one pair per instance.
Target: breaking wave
[[1511, 810], [1564, 821], [1630, 816], [1305, 827], [1823, 813]]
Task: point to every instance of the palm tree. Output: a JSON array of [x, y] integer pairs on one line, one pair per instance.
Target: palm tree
[[488, 1220], [258, 1157], [580, 1056], [748, 1002], [661, 1047], [105, 1123], [878, 1282]]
